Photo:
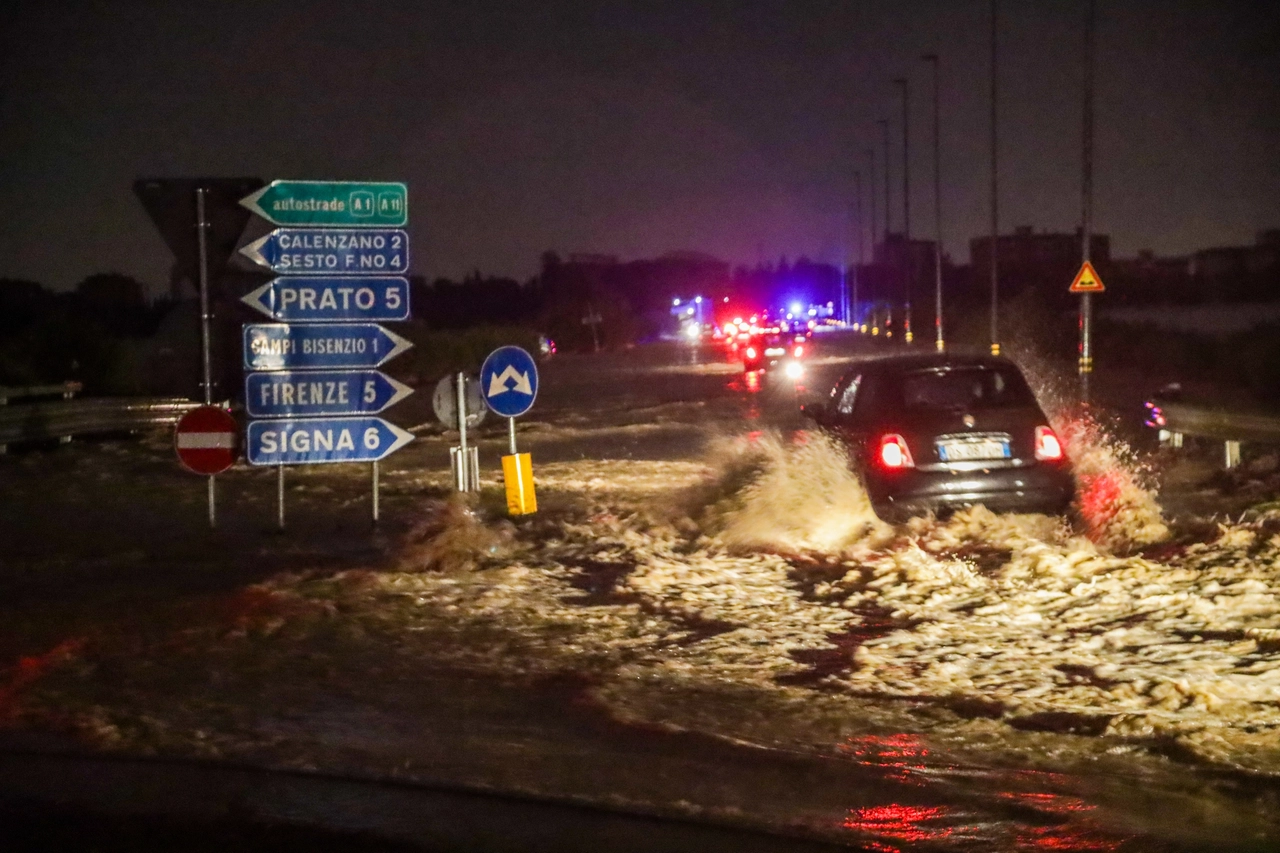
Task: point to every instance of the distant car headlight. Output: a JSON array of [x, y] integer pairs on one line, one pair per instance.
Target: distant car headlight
[[794, 370]]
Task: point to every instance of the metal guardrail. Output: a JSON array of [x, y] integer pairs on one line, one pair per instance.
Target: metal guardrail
[[1175, 420], [66, 390], [1217, 423], [63, 419]]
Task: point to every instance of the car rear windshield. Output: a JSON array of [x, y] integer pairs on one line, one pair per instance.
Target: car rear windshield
[[966, 388]]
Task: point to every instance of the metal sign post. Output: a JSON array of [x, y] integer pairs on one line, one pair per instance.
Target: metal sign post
[[464, 482], [1086, 283], [509, 382], [202, 239], [280, 495], [464, 458]]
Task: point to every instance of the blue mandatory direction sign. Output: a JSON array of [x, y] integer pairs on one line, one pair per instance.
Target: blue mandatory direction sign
[[509, 381], [310, 393], [300, 442], [320, 299], [283, 346], [331, 251]]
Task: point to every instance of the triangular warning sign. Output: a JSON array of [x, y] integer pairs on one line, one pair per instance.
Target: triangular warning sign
[[1087, 280]]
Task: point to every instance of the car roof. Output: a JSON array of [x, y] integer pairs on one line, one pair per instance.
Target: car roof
[[898, 362]]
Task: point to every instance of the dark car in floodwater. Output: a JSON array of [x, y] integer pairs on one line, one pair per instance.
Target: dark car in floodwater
[[940, 432]]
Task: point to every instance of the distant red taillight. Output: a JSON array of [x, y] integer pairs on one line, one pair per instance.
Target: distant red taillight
[[1048, 448], [751, 352], [894, 452]]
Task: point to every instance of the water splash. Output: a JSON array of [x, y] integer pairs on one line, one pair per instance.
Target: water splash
[[770, 493], [1115, 492], [1116, 498], [452, 537]]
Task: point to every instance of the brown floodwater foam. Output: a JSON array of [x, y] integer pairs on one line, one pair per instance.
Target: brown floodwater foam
[[769, 492]]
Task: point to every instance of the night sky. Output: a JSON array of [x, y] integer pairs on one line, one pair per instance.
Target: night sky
[[632, 129]]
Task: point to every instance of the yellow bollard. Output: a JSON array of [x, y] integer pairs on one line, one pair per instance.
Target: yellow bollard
[[517, 474]]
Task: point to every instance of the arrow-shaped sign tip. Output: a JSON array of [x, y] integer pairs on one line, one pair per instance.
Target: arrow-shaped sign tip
[[398, 344], [251, 201], [399, 389], [254, 300], [253, 251], [403, 437]]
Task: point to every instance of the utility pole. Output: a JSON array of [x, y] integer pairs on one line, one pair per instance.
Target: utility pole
[[932, 59], [908, 270], [852, 309], [888, 208], [995, 202], [1086, 299], [871, 185]]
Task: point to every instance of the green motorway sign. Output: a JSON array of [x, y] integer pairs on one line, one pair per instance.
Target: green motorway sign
[[344, 203]]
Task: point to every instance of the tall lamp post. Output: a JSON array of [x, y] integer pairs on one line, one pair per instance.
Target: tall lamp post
[[871, 186], [888, 208], [1086, 299], [888, 215], [932, 59], [908, 270], [852, 310], [995, 208]]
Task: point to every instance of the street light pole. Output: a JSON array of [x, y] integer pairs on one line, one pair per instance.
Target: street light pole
[[888, 208], [995, 202], [1086, 299], [852, 309], [932, 59], [908, 273], [871, 185], [888, 223]]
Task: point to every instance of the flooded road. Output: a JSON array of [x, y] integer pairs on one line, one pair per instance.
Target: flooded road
[[704, 620]]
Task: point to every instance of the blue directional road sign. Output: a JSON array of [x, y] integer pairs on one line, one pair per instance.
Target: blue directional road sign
[[331, 251], [284, 346], [321, 299], [509, 381], [313, 440], [310, 393]]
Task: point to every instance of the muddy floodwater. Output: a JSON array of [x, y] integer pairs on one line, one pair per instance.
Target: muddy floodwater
[[704, 619]]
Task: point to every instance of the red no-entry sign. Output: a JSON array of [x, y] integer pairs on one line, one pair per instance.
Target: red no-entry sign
[[206, 440]]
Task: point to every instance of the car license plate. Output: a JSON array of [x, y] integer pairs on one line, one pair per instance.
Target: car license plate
[[960, 451]]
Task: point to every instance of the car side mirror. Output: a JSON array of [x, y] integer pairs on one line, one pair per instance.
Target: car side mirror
[[816, 411]]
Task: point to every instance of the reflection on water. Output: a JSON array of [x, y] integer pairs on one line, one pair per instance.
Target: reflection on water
[[897, 754], [1016, 812], [900, 822], [749, 384]]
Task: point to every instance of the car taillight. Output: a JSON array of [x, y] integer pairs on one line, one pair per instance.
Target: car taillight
[[894, 452], [1048, 448], [751, 352]]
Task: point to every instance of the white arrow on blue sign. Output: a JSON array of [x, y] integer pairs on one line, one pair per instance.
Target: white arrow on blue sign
[[331, 251], [321, 299], [284, 346], [310, 393], [314, 440], [509, 381]]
